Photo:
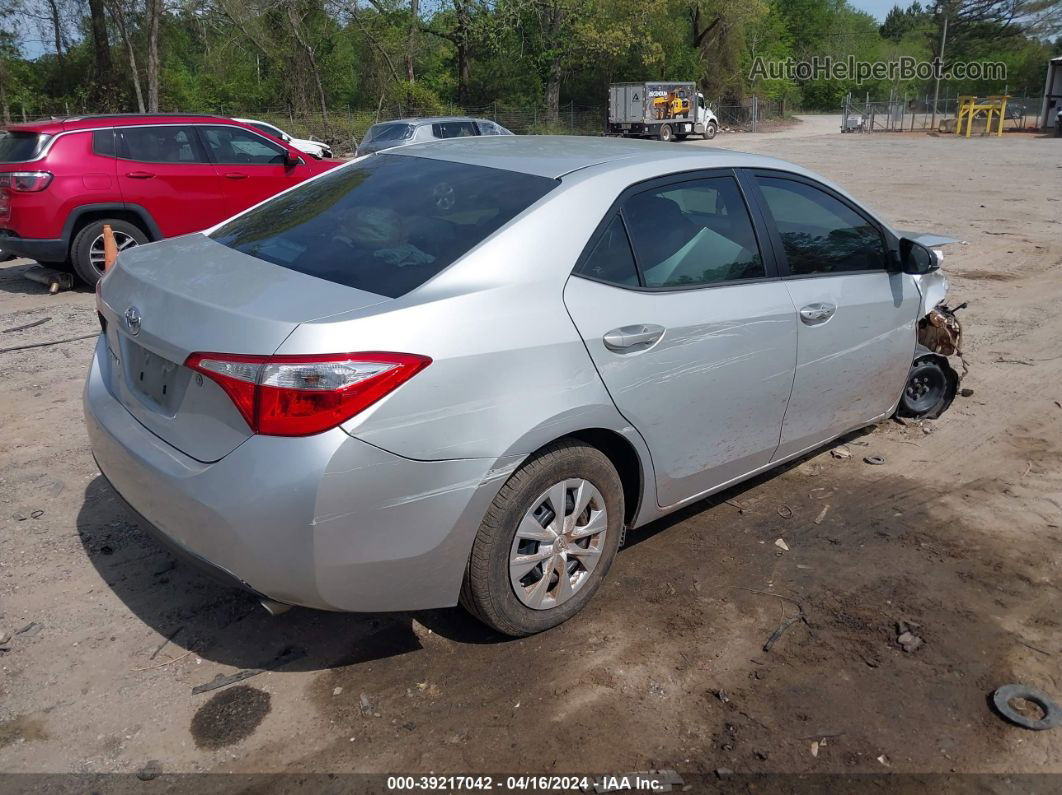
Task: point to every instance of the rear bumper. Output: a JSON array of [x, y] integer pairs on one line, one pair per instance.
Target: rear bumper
[[326, 521], [40, 250]]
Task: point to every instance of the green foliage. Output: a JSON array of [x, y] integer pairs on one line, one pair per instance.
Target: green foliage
[[347, 62]]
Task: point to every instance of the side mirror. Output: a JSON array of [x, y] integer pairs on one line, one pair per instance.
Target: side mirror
[[917, 259], [291, 159]]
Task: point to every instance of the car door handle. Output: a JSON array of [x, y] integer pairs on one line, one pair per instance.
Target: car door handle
[[140, 175], [628, 339], [814, 314], [234, 175]]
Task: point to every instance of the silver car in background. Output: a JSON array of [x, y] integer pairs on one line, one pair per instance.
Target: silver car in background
[[403, 132], [462, 371]]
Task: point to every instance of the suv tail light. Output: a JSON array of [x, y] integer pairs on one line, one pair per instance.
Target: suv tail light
[[25, 181], [304, 395]]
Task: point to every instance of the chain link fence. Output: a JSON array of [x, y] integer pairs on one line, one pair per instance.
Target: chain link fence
[[904, 113], [343, 128]]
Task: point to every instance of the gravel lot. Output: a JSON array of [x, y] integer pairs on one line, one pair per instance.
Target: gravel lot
[[959, 533]]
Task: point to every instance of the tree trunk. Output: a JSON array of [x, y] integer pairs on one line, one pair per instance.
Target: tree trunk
[[461, 34], [154, 14], [119, 19], [59, 54], [296, 29], [3, 93], [411, 43], [101, 54], [553, 86]]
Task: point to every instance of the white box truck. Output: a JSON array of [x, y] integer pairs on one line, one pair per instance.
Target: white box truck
[[668, 111]]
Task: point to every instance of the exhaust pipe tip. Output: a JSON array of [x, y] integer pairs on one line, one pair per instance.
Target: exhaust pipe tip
[[274, 608]]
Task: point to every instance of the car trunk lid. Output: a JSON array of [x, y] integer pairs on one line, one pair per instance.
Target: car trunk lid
[[165, 301]]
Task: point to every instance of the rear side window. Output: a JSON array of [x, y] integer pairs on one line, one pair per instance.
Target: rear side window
[[159, 144], [693, 233], [389, 132], [820, 234], [232, 145], [18, 147], [103, 143], [454, 129], [386, 224], [490, 128], [611, 260]]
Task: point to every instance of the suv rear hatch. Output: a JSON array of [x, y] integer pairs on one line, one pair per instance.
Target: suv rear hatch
[[167, 300]]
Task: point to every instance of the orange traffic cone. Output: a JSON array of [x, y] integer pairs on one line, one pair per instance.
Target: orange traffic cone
[[110, 248]]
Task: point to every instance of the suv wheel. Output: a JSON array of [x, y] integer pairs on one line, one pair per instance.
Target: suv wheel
[[547, 541], [86, 254]]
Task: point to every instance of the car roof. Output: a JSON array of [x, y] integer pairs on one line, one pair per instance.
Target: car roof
[[74, 123], [554, 156], [429, 120]]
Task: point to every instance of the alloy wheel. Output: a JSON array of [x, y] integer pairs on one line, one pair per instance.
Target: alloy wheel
[[96, 254]]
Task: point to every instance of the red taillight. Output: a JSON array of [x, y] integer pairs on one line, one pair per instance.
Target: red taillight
[[25, 181], [304, 395]]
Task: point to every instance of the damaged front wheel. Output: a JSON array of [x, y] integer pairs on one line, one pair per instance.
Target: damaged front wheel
[[930, 388]]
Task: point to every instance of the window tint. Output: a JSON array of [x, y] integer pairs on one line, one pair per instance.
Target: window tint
[[386, 224], [490, 128], [18, 147], [820, 233], [454, 129], [103, 143], [693, 233], [268, 129], [611, 259], [236, 146], [159, 144], [389, 132]]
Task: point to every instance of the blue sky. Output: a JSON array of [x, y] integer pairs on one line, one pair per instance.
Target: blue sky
[[879, 8]]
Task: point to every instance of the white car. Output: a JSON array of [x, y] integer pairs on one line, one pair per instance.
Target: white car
[[318, 149]]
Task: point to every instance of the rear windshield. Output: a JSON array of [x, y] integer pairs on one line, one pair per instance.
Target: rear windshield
[[389, 132], [18, 147], [385, 224]]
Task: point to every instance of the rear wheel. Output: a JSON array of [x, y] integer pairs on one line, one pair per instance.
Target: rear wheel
[[87, 253], [665, 133], [547, 540], [710, 129]]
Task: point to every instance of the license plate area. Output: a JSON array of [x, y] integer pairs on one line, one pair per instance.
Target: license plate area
[[152, 378]]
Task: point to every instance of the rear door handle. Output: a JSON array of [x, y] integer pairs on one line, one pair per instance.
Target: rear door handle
[[628, 339], [814, 314], [140, 175], [234, 175]]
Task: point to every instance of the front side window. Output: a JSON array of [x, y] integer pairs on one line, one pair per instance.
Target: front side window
[[385, 224], [231, 145], [611, 259], [693, 233], [821, 234], [159, 144], [454, 129]]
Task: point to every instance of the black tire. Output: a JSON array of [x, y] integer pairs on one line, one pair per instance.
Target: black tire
[[487, 592], [81, 250], [664, 133], [929, 390], [710, 129]]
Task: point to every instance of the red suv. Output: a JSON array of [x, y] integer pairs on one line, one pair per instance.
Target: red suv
[[149, 177]]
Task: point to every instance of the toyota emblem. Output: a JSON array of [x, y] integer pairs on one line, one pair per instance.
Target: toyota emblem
[[132, 320]]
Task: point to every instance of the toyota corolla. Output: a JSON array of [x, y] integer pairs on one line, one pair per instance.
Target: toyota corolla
[[461, 372]]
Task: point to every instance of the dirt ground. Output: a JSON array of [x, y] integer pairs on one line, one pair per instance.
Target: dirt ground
[[958, 533]]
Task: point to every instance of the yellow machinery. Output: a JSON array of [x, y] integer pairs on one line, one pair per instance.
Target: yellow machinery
[[675, 104], [969, 107]]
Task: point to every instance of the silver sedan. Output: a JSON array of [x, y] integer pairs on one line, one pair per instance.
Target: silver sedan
[[462, 371]]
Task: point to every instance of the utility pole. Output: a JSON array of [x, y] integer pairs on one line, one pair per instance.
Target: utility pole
[[940, 66]]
